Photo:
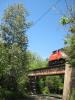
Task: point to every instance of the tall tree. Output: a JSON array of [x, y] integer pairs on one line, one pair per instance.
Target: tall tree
[[13, 59], [70, 38], [14, 25], [70, 51]]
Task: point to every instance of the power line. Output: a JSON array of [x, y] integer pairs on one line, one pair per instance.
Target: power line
[[66, 5], [58, 11], [46, 12], [50, 8], [68, 9]]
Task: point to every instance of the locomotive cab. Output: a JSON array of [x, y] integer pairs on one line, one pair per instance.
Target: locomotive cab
[[57, 57]]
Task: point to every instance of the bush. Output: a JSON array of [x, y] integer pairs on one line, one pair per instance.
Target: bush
[[45, 90]]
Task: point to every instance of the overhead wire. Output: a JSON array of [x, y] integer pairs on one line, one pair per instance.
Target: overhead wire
[[46, 12], [51, 8], [68, 8], [58, 11], [66, 5], [71, 10]]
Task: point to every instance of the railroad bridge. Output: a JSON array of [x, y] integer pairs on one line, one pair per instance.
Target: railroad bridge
[[41, 72], [60, 69]]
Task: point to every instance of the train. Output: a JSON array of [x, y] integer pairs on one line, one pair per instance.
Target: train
[[56, 58]]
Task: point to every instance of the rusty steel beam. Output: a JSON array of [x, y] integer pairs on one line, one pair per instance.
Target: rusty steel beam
[[47, 72]]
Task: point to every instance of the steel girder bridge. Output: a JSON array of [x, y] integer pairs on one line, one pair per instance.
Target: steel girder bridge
[[42, 72]]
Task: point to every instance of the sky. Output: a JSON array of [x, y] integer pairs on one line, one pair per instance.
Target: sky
[[46, 34]]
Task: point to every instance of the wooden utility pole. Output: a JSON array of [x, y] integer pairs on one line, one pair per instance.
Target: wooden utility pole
[[67, 82]]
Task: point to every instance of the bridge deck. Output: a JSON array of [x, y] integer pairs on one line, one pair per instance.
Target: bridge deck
[[47, 71]]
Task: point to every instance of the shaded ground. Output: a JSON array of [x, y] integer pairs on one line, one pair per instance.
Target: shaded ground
[[40, 97], [36, 97]]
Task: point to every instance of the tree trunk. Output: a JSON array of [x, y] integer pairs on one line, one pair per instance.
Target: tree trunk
[[67, 82]]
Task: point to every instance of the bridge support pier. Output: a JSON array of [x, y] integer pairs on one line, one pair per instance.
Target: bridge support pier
[[67, 82], [33, 84]]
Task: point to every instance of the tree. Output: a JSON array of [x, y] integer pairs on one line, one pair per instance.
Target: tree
[[14, 25], [70, 38], [70, 51], [35, 61], [13, 47]]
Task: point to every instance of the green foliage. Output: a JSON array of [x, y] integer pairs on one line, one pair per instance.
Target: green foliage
[[70, 38], [50, 85], [73, 94], [64, 20], [45, 90], [72, 29], [55, 83], [13, 52], [15, 25], [35, 61]]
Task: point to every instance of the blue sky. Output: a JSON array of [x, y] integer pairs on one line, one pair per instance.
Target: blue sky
[[48, 34]]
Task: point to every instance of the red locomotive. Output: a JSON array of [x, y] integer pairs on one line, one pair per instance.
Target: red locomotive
[[57, 57]]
